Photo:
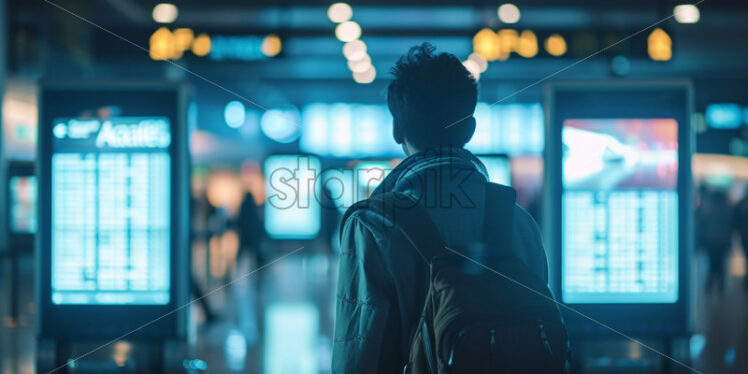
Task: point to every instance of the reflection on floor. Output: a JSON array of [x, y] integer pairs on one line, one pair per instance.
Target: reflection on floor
[[280, 321]]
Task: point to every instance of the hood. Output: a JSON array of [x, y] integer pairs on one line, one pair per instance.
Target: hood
[[450, 184]]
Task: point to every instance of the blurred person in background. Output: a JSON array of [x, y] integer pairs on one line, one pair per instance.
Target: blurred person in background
[[251, 231], [716, 223], [741, 224], [702, 193], [200, 209]]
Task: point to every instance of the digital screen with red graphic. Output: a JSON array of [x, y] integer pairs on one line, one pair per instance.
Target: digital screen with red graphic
[[620, 153], [23, 204], [620, 204]]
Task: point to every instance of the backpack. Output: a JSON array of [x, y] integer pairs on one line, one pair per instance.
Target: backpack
[[485, 310]]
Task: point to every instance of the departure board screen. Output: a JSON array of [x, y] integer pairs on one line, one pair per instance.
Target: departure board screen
[[498, 168], [292, 208], [110, 207], [620, 211], [23, 204], [369, 175], [348, 186]]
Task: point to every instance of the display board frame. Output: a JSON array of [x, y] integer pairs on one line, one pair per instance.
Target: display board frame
[[620, 99], [169, 321]]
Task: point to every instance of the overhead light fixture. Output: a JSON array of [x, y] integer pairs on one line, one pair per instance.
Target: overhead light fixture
[[527, 46], [339, 12], [508, 13], [183, 37], [281, 124], [366, 76], [161, 44], [486, 44], [354, 50], [555, 45], [271, 45], [360, 66], [686, 13], [479, 60], [348, 31], [472, 67], [165, 13], [202, 45], [659, 45], [234, 114]]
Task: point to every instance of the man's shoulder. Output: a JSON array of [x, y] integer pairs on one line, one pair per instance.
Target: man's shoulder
[[523, 218], [374, 223]]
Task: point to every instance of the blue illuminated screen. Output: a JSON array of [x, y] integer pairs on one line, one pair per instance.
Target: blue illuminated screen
[[292, 208], [292, 331], [348, 186], [498, 168], [620, 211], [23, 204], [515, 129], [347, 130], [365, 130], [724, 116], [111, 210]]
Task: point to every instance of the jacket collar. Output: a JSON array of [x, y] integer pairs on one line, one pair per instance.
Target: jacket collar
[[434, 158]]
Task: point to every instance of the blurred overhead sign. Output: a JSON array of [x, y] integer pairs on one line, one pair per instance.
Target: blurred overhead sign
[[171, 45], [500, 45]]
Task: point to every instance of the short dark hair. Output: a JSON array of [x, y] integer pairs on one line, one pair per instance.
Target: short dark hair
[[429, 96]]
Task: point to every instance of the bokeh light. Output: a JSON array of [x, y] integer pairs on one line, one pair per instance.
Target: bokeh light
[[339, 12], [365, 77], [281, 125], [234, 114], [686, 13], [659, 45], [360, 66], [354, 50], [348, 31], [508, 13], [479, 60], [271, 45], [201, 46], [555, 45], [165, 13]]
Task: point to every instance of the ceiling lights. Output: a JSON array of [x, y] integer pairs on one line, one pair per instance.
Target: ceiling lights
[[339, 12], [508, 13], [659, 45], [354, 49], [165, 13], [348, 31], [686, 13]]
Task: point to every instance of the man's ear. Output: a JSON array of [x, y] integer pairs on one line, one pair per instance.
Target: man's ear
[[397, 132]]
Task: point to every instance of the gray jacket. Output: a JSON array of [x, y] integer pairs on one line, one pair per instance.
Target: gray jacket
[[383, 282]]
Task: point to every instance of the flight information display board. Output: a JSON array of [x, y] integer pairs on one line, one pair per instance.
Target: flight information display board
[[110, 210], [618, 187], [292, 208], [620, 211], [498, 168], [347, 186], [113, 221]]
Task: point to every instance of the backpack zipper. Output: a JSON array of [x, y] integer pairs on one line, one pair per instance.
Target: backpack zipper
[[544, 337]]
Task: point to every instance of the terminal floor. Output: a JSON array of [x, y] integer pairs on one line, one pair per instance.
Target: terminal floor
[[288, 328]]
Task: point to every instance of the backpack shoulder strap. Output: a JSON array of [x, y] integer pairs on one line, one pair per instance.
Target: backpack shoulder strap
[[407, 215], [498, 225]]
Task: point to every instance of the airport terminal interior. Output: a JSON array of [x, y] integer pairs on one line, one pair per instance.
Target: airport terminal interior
[[173, 175]]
